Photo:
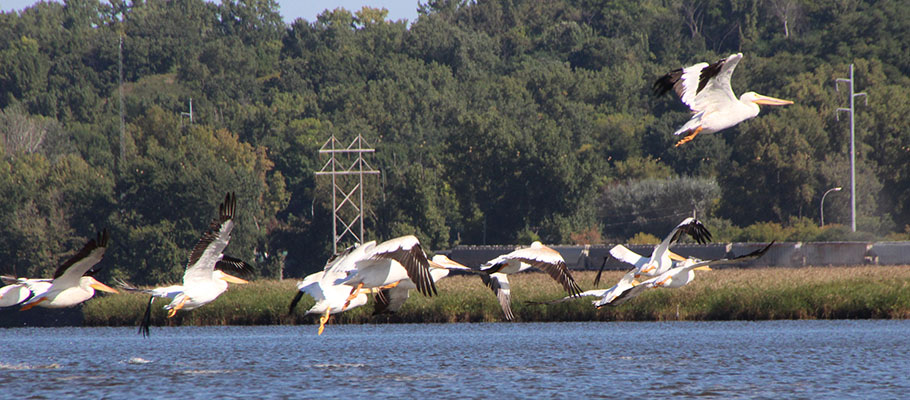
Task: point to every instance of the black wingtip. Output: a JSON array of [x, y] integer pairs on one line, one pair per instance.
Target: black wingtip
[[666, 83], [602, 266], [294, 302], [147, 318]]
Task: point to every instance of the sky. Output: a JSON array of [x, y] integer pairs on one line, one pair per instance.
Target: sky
[[293, 9]]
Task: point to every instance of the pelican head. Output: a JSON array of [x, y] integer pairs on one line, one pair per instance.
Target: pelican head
[[90, 282], [752, 97], [219, 274]]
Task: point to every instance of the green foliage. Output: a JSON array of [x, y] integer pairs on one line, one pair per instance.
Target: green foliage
[[493, 121]]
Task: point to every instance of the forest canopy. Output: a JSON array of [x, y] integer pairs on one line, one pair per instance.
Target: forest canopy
[[494, 122]]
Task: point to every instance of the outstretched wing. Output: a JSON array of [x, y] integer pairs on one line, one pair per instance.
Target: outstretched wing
[[499, 283], [701, 85], [407, 251], [689, 226], [549, 261], [207, 252], [69, 273]]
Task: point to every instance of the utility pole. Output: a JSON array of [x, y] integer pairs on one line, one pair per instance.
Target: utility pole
[[341, 187], [120, 89], [853, 96]]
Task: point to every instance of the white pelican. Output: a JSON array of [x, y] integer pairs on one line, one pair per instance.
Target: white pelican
[[204, 279], [325, 287], [680, 275], [19, 290], [390, 300], [389, 263], [537, 256], [706, 90], [73, 282], [661, 257]]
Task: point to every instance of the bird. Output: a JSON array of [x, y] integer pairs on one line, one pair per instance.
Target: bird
[[680, 275], [73, 282], [326, 288], [204, 279], [496, 271], [661, 257], [387, 264], [706, 90], [18, 290], [390, 300]]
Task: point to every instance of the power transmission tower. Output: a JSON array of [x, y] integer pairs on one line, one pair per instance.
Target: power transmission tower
[[853, 96], [348, 213]]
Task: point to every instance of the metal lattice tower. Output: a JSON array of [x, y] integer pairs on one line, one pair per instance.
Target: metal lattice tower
[[344, 162], [853, 96]]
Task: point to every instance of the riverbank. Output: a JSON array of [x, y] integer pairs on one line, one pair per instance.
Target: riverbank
[[725, 294]]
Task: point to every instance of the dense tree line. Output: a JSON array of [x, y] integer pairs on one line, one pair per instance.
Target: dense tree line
[[494, 121]]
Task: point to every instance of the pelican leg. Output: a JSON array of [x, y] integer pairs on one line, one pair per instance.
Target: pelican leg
[[28, 306], [663, 282], [354, 292], [172, 312], [389, 286], [689, 137], [322, 320]]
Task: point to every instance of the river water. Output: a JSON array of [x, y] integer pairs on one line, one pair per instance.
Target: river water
[[773, 359]]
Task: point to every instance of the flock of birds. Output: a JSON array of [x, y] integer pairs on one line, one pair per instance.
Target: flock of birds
[[388, 271]]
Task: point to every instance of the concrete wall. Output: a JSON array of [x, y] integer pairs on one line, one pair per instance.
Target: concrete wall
[[790, 254]]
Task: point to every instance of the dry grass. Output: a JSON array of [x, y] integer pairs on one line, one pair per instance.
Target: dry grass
[[725, 294]]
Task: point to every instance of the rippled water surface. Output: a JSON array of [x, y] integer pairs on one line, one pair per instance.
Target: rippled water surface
[[775, 359]]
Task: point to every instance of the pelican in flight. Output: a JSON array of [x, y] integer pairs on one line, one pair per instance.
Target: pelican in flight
[[706, 90], [204, 279], [662, 258], [325, 287], [18, 290], [680, 275], [390, 300], [389, 263], [73, 282], [496, 271]]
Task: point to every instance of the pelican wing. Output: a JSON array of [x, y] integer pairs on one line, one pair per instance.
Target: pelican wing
[[407, 251], [346, 261], [586, 293], [622, 253], [499, 283], [738, 259], [689, 226], [547, 260], [208, 249], [70, 272], [390, 300], [621, 292], [701, 86], [234, 266]]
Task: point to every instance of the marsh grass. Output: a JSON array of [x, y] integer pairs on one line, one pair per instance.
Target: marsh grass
[[724, 294]]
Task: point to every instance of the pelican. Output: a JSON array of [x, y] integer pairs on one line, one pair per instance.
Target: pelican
[[706, 90], [18, 290], [661, 257], [325, 287], [537, 256], [204, 279], [389, 263], [73, 282], [390, 300], [680, 275]]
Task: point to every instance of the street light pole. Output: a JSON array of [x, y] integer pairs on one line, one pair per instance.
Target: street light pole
[[853, 95], [822, 206]]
